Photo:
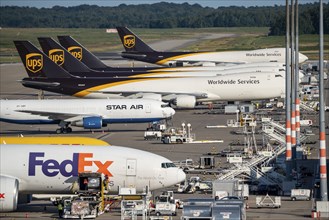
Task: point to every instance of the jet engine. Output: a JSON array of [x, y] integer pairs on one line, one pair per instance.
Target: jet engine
[[184, 101], [90, 123], [8, 193]]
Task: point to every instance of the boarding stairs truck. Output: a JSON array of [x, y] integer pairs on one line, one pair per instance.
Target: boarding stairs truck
[[88, 202]]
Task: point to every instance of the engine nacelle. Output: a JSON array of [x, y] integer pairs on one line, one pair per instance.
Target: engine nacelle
[[90, 123], [8, 193], [185, 101]]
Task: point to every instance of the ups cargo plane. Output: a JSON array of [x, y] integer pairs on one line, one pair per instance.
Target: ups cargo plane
[[89, 114], [67, 61], [136, 49], [183, 92], [91, 61], [41, 169]]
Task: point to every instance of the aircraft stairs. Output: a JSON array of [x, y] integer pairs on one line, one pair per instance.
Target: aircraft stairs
[[306, 106], [252, 169]]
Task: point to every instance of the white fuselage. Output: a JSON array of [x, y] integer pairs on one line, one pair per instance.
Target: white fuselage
[[41, 169], [232, 87], [264, 66], [110, 110], [251, 56]]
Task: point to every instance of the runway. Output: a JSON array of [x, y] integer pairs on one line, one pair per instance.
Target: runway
[[131, 135]]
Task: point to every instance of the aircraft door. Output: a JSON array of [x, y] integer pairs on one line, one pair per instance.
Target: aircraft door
[[131, 167], [131, 172], [148, 108]]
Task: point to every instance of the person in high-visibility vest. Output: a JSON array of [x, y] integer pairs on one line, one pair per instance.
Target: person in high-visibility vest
[[60, 209]]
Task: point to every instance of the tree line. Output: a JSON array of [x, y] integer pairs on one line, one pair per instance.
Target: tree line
[[162, 15]]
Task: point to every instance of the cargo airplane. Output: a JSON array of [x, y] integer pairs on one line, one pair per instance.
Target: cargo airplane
[[70, 63], [41, 169], [136, 49], [183, 92], [53, 140], [91, 61], [89, 114]]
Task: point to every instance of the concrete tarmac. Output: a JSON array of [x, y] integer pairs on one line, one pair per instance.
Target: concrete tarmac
[[131, 135]]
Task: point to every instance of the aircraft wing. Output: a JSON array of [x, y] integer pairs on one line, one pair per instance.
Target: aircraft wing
[[68, 117]]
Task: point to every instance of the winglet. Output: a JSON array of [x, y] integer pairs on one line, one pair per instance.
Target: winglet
[[131, 42], [88, 58], [38, 64]]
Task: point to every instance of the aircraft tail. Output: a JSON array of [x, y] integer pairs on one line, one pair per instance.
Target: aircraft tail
[[131, 42], [81, 53], [61, 56], [38, 64]]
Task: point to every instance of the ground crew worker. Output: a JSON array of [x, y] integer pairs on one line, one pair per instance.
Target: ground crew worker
[[60, 209], [106, 182]]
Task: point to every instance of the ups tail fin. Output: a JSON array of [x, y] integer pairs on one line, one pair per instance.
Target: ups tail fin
[[131, 42], [61, 56], [88, 58], [38, 64]]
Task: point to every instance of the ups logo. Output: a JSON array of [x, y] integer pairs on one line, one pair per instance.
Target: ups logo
[[129, 41], [34, 62], [57, 56], [76, 52]]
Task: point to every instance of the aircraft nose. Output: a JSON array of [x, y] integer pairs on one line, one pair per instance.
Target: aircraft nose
[[181, 176]]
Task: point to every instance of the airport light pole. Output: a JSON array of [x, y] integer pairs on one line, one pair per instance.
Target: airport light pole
[[323, 157], [297, 95], [293, 109], [288, 93]]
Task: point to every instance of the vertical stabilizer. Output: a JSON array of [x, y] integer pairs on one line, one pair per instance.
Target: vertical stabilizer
[[88, 58], [131, 42], [61, 56], [38, 64]]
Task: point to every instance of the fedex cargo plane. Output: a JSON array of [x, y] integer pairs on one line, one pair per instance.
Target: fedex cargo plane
[[40, 169], [136, 49]]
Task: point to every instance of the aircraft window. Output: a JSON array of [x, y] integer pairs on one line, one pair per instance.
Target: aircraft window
[[167, 165], [278, 75], [165, 105]]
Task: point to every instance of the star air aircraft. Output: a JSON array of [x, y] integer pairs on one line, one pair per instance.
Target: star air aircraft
[[40, 169], [183, 92], [67, 61], [89, 114], [136, 49]]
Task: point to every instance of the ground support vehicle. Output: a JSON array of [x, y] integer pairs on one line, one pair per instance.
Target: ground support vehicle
[[267, 201]]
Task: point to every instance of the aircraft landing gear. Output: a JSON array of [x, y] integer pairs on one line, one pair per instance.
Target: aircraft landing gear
[[64, 129]]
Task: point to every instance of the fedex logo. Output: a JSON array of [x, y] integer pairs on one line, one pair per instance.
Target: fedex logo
[[80, 162]]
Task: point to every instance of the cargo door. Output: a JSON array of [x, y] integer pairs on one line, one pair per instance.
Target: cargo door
[[131, 167], [131, 172]]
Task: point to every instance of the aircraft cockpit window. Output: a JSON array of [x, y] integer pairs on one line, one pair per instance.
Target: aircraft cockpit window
[[278, 75], [165, 105], [167, 165]]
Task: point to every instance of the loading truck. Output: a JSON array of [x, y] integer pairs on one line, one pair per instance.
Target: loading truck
[[88, 202], [165, 204], [300, 194]]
